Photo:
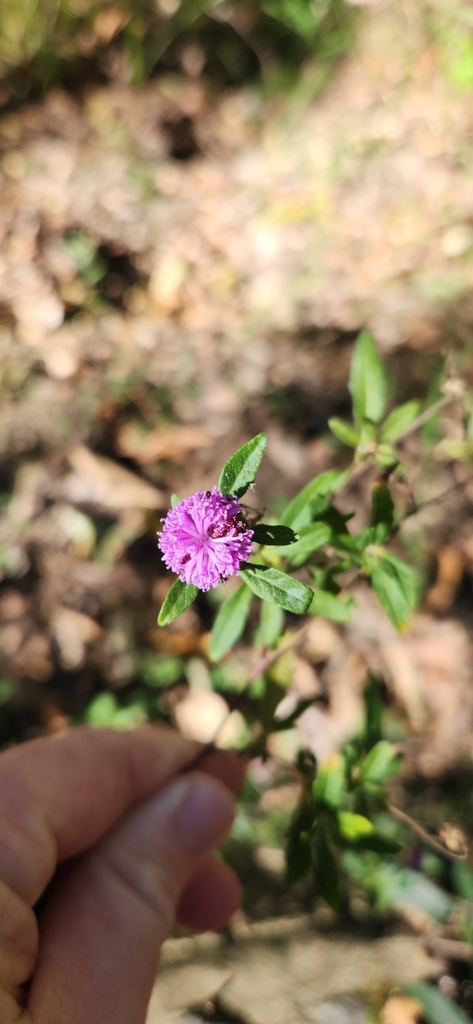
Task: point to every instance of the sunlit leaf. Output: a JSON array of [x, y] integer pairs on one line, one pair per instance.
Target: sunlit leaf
[[271, 624], [329, 784], [381, 763], [240, 471], [311, 538], [354, 826], [230, 622], [399, 420], [299, 511], [177, 599], [438, 1009], [368, 381], [345, 433], [276, 586], [395, 584], [330, 606]]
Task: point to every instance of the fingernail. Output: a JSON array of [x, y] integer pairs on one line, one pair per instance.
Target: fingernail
[[204, 814]]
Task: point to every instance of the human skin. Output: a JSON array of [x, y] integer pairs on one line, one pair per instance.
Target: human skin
[[121, 837]]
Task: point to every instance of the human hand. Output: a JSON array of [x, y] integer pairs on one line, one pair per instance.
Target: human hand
[[125, 839]]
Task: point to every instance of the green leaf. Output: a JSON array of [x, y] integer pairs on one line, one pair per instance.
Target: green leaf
[[328, 606], [399, 420], [311, 538], [393, 885], [386, 456], [299, 511], [7, 690], [280, 724], [329, 784], [367, 383], [175, 499], [230, 622], [462, 877], [438, 1009], [277, 587], [161, 670], [382, 506], [298, 855], [298, 848], [345, 433], [354, 826], [266, 534], [104, 710], [395, 584], [271, 624], [379, 844], [374, 711], [380, 764], [177, 599], [240, 471], [296, 15], [325, 869]]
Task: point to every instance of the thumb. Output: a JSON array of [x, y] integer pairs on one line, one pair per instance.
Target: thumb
[[109, 911]]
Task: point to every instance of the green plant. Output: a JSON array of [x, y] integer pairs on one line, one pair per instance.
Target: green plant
[[344, 824], [239, 41]]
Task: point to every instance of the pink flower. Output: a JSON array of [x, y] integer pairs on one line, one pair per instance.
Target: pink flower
[[205, 539]]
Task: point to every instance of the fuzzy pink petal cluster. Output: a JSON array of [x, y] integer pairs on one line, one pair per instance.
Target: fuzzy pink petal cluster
[[205, 538]]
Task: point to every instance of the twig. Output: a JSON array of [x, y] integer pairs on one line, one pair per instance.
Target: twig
[[263, 665], [272, 656], [437, 499], [449, 949], [359, 471], [429, 840], [428, 413]]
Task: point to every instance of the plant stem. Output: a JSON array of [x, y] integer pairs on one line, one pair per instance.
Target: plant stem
[[428, 414], [429, 840], [272, 656]]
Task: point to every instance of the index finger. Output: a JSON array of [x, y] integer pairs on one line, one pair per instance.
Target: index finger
[[60, 794]]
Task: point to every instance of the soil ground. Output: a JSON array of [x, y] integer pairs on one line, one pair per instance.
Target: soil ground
[[179, 271]]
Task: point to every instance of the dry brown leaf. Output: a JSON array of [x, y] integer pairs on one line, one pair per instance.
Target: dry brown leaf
[[100, 481], [442, 654], [270, 859], [402, 674], [321, 640], [175, 643], [72, 631], [401, 1010], [108, 22], [201, 715], [172, 443], [323, 731], [234, 732], [305, 680], [54, 720], [450, 565], [13, 605], [34, 658], [166, 281]]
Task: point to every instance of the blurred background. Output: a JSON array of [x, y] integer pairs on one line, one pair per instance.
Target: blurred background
[[201, 204]]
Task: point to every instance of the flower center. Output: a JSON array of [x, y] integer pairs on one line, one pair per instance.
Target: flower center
[[233, 523]]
